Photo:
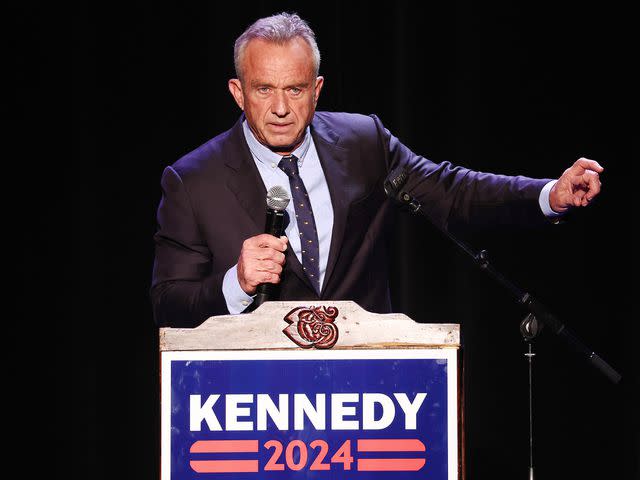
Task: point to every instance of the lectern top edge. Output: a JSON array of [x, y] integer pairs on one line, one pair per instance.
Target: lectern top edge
[[306, 325]]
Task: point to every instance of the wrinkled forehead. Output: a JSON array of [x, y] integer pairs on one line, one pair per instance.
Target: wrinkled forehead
[[263, 58]]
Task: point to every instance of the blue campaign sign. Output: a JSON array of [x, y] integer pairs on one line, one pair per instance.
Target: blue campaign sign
[[343, 414]]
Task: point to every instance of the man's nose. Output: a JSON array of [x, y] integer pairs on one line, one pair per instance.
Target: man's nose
[[280, 105]]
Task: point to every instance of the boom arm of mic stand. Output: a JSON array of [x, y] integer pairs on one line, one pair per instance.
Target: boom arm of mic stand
[[560, 329], [534, 306]]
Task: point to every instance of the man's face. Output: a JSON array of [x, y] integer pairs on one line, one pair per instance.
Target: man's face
[[278, 92]]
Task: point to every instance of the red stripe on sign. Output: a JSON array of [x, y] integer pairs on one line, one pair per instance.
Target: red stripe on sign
[[390, 464], [224, 466], [224, 446], [388, 445]]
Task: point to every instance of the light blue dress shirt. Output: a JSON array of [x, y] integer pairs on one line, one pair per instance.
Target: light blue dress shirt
[[314, 180], [316, 185]]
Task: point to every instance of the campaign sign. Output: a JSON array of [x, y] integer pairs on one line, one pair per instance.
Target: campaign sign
[[340, 414]]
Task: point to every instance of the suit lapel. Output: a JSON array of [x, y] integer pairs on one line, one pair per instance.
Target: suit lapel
[[244, 179], [333, 159]]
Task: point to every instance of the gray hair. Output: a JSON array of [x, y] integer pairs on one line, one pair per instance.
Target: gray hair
[[279, 29]]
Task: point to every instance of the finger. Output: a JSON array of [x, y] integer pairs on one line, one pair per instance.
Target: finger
[[594, 185], [577, 197], [279, 258], [583, 164], [266, 277], [265, 240], [255, 278], [261, 241], [587, 185], [269, 267], [266, 254], [253, 268]]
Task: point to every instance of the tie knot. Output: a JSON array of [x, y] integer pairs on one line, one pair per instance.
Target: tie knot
[[289, 165]]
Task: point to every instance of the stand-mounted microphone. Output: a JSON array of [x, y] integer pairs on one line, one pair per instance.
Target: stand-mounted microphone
[[393, 187], [277, 201]]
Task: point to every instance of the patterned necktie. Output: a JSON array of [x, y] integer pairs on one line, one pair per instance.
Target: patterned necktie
[[305, 220]]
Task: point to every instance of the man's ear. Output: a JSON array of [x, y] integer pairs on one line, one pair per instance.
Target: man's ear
[[235, 87], [317, 89]]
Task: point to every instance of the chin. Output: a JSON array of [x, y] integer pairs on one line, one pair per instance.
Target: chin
[[280, 144], [285, 149]]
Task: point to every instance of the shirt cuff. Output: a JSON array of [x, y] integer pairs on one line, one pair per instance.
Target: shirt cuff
[[236, 298], [544, 201]]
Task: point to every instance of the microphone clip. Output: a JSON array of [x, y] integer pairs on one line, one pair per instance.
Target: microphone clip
[[410, 201], [393, 188]]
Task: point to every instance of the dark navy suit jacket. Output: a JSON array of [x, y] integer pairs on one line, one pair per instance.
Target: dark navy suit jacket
[[213, 199]]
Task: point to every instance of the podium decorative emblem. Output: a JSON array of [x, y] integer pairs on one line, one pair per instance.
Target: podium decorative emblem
[[312, 326]]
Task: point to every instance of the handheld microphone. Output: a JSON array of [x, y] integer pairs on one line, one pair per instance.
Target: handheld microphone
[[277, 201]]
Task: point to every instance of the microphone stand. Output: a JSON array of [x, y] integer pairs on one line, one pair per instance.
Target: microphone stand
[[538, 315], [531, 325]]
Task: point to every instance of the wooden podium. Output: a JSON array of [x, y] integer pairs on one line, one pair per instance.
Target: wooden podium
[[321, 391]]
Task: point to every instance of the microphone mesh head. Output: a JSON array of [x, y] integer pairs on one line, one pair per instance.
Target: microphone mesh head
[[277, 198]]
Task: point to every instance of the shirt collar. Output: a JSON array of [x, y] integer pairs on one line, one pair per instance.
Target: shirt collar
[[266, 156]]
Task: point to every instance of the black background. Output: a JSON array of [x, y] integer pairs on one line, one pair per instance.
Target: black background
[[501, 87]]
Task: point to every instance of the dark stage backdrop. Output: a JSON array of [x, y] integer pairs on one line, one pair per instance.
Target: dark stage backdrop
[[513, 88]]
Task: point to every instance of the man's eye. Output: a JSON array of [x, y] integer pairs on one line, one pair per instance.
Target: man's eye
[[295, 91], [264, 89]]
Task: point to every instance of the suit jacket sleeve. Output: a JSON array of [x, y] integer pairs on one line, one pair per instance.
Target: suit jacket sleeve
[[185, 290], [454, 197]]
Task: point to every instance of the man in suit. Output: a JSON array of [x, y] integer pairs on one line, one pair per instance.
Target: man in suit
[[210, 252]]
